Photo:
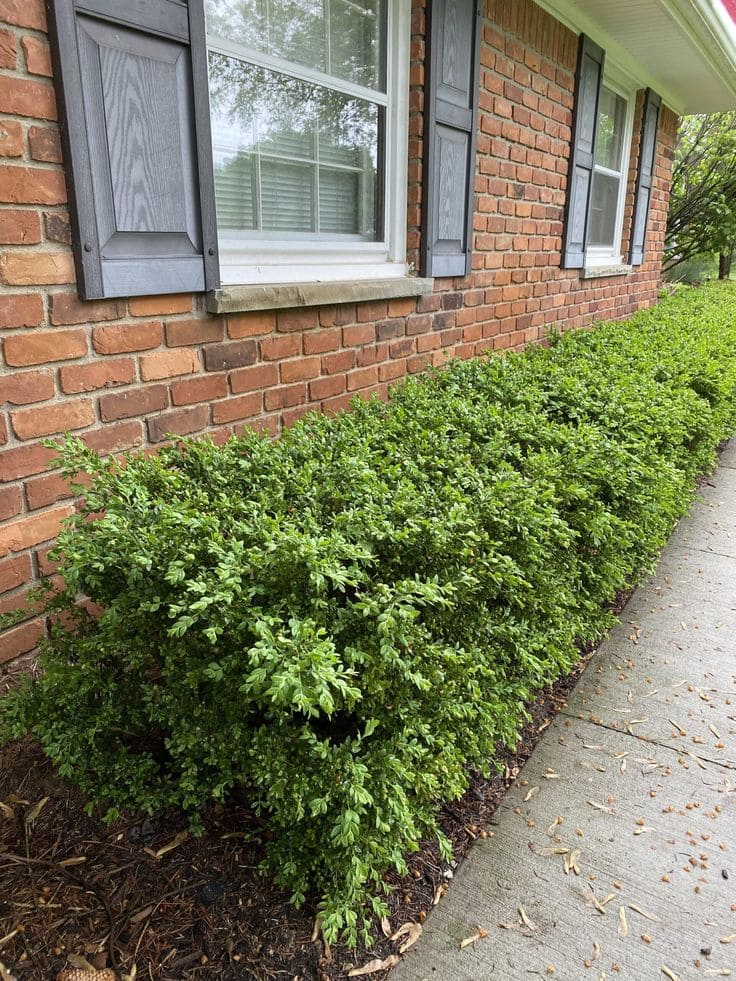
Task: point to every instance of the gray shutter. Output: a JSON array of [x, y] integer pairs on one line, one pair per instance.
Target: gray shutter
[[453, 59], [645, 177], [131, 77], [588, 82]]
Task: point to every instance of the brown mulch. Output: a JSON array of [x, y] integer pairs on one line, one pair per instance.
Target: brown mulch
[[70, 885]]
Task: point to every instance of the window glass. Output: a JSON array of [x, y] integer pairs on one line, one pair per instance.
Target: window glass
[[608, 177], [611, 125], [338, 37], [291, 156]]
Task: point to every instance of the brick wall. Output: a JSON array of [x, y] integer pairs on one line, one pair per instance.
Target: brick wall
[[123, 374]]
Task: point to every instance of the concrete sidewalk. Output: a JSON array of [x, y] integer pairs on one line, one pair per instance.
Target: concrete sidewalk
[[614, 853]]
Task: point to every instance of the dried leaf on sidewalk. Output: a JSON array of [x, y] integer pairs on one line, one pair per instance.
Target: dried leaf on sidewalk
[[668, 973], [479, 934], [729, 939], [374, 966], [439, 893], [602, 807], [720, 972], [623, 925], [412, 932], [641, 912], [532, 792], [529, 924]]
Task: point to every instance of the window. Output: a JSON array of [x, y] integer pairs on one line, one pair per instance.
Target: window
[[610, 174], [309, 131]]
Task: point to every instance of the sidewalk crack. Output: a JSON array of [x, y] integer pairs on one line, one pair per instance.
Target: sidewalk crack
[[723, 764]]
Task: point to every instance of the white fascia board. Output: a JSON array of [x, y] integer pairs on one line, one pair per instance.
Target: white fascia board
[[705, 22], [710, 28]]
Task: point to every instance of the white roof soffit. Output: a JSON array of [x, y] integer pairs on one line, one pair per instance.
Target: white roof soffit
[[684, 49]]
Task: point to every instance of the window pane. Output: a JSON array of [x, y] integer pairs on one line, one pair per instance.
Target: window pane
[[339, 37], [603, 209], [611, 125], [282, 145]]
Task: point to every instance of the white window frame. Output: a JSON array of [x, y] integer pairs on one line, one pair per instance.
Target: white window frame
[[601, 255], [246, 261]]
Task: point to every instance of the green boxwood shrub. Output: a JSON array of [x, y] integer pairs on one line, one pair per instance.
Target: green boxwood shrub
[[343, 621]]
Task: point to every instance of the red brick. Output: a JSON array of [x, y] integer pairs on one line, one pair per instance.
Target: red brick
[[3, 431], [392, 371], [289, 320], [116, 438], [22, 461], [98, 374], [47, 420], [300, 370], [44, 144], [11, 138], [11, 503], [324, 388], [46, 490], [337, 404], [242, 407], [250, 324], [180, 423], [23, 97], [38, 56], [202, 389], [24, 13], [20, 640], [182, 333], [8, 52], [255, 378], [136, 402], [57, 227], [362, 378], [322, 341], [375, 310], [402, 307], [21, 310], [44, 347], [22, 387], [275, 348], [31, 185], [335, 363], [15, 572], [128, 337], [36, 268], [358, 334], [168, 364], [67, 308], [27, 532], [20, 227], [235, 354], [285, 396], [160, 306]]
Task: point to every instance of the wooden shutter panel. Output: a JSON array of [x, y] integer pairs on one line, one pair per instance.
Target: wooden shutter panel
[[453, 60], [645, 177], [131, 78], [588, 82]]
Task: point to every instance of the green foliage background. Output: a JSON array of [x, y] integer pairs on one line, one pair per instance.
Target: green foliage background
[[344, 621]]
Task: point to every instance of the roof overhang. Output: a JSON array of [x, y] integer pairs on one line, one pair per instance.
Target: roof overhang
[[683, 49]]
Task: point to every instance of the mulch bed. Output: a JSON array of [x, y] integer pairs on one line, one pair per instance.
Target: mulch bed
[[70, 885]]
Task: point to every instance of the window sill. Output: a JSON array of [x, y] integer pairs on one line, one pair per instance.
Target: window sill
[[599, 272], [239, 299]]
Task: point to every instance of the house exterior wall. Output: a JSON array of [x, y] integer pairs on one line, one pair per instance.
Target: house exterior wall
[[124, 373]]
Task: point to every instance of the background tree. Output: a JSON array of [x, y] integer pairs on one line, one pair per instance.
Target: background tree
[[702, 216]]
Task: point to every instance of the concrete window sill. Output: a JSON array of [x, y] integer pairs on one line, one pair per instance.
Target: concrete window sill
[[239, 299], [600, 272]]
